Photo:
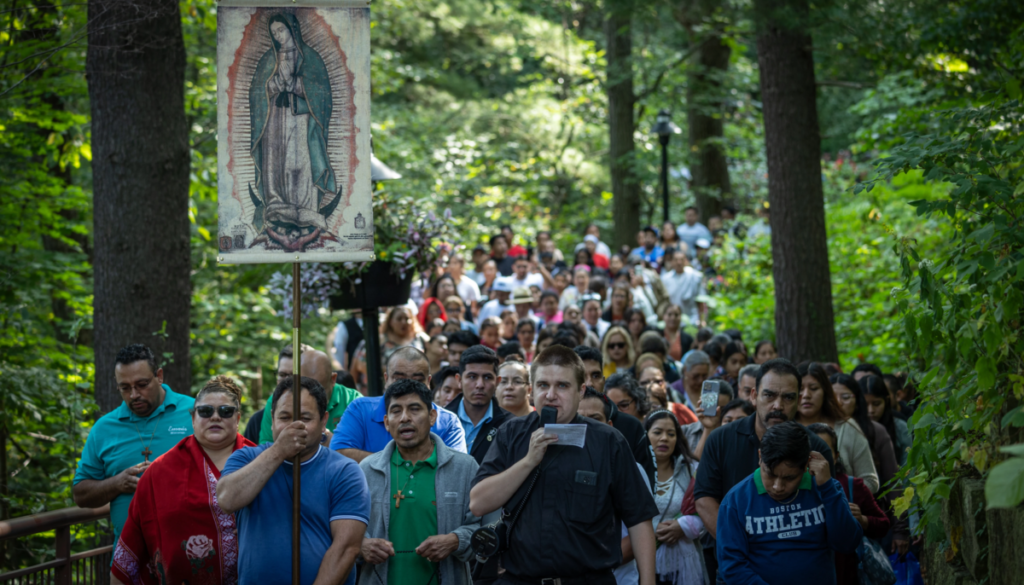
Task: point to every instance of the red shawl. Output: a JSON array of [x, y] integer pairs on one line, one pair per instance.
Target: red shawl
[[175, 531]]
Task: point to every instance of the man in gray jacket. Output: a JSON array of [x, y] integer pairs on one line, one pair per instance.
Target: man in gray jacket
[[420, 523]]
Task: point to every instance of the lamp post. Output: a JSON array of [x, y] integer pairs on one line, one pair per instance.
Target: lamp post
[[664, 128]]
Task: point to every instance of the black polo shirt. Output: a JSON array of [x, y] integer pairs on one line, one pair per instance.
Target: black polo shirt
[[730, 456], [570, 525]]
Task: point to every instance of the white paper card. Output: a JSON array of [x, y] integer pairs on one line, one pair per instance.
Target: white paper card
[[575, 435]]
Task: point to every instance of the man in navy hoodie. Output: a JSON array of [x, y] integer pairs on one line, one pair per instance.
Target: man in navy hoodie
[[781, 524]]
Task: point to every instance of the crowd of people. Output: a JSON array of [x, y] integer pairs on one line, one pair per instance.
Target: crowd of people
[[782, 481]]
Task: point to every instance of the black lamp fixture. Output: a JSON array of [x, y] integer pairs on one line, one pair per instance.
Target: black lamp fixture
[[374, 374], [664, 128]]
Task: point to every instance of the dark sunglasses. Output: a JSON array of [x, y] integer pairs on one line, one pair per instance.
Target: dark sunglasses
[[224, 411], [616, 345]]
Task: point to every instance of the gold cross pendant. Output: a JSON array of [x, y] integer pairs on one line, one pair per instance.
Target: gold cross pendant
[[398, 499]]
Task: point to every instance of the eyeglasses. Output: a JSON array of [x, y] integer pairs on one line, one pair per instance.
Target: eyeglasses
[[624, 404], [647, 383], [620, 345], [224, 411]]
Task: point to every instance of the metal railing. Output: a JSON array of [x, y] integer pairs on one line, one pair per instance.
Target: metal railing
[[89, 567]]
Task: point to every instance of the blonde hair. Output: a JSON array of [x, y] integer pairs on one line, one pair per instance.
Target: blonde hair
[[630, 350]]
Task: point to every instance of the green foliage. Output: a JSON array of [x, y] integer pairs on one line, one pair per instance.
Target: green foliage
[[46, 360], [497, 110], [1005, 485], [46, 416], [961, 309], [864, 271]]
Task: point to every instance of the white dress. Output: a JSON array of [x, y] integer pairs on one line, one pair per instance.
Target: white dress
[[680, 563]]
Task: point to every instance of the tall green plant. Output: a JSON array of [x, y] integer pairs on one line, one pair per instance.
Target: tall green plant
[[864, 269], [961, 308]]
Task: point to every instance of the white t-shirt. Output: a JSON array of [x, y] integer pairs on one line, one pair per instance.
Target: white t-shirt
[[602, 249], [683, 290], [530, 280], [570, 296], [467, 289], [690, 234], [493, 309]]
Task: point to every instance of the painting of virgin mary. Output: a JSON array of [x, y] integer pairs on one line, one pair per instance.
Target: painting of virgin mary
[[290, 108]]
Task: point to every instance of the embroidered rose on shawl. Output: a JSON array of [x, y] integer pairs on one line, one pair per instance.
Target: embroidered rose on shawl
[[198, 547]]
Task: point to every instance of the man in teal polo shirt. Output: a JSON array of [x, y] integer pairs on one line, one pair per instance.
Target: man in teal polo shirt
[[317, 365], [123, 443]]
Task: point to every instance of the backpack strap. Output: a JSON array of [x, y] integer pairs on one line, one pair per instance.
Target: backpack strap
[[849, 481]]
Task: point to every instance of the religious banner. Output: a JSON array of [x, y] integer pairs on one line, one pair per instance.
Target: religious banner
[[293, 131]]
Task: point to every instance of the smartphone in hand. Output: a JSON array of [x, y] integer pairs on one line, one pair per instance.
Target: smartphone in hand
[[709, 397]]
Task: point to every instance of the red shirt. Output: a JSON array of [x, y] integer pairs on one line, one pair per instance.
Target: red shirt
[[517, 250], [600, 260]]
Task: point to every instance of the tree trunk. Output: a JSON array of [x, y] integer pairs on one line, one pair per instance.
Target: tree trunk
[[136, 68], [804, 326], [621, 125], [705, 101]]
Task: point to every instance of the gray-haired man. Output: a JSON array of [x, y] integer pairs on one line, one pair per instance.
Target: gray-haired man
[[696, 369], [746, 381]]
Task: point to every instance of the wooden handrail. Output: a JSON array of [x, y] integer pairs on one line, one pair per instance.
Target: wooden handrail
[[35, 523]]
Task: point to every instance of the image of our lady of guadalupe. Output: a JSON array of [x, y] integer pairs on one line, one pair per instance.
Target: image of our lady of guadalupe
[[290, 110]]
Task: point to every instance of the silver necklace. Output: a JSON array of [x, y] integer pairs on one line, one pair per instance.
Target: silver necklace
[[791, 500]]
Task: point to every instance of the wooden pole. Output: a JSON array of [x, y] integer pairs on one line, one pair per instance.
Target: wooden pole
[[296, 415]]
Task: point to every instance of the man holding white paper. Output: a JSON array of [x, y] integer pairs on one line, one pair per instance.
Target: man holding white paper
[[569, 499]]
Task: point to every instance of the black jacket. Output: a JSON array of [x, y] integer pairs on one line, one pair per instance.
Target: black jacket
[[487, 431], [633, 430]]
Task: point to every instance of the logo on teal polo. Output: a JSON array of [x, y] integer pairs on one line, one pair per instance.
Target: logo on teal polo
[[177, 430]]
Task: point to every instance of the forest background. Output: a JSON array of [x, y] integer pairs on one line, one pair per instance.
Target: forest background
[[498, 110]]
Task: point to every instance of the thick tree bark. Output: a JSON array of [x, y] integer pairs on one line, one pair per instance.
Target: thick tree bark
[[708, 166], [804, 326], [621, 126], [136, 69]]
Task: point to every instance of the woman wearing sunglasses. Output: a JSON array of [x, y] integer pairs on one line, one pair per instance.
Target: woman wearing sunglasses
[[175, 531], [618, 351]]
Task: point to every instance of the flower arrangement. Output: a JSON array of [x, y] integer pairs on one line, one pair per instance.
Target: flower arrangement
[[410, 240]]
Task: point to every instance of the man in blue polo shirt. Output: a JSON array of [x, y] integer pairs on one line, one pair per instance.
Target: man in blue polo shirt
[[783, 522], [651, 252], [361, 431], [256, 484], [123, 443]]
